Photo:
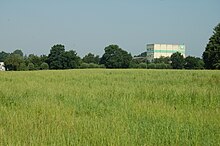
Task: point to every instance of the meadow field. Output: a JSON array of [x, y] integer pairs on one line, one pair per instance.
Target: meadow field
[[110, 107]]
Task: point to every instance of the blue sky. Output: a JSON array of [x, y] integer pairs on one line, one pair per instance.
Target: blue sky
[[90, 25]]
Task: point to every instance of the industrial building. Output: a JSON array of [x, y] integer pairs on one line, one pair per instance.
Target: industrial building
[[165, 50], [2, 67]]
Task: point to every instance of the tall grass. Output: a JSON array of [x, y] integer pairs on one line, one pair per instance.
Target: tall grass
[[110, 107]]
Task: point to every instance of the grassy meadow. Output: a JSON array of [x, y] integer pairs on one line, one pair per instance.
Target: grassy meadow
[[110, 107]]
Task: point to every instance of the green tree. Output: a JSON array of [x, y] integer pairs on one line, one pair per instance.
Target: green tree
[[43, 58], [91, 58], [19, 52], [134, 63], [151, 66], [70, 60], [84, 65], [3, 56], [142, 65], [177, 60], [31, 66], [193, 63], [61, 59], [22, 67], [115, 57], [161, 65], [13, 61], [35, 60], [44, 66], [55, 58], [211, 55]]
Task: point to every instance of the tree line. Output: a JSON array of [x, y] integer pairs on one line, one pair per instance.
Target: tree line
[[114, 57]]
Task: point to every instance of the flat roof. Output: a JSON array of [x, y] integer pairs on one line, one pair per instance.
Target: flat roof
[[166, 44]]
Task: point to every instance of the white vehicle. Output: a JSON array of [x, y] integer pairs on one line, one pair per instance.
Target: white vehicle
[[2, 66]]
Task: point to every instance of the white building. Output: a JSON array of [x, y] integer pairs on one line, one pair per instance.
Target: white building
[[165, 50], [2, 66]]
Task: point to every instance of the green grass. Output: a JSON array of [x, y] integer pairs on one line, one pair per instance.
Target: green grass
[[110, 107]]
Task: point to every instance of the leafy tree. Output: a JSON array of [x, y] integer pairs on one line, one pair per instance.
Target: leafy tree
[[35, 60], [55, 58], [193, 63], [13, 61], [168, 66], [70, 60], [61, 59], [43, 58], [3, 56], [31, 66], [151, 66], [142, 65], [201, 64], [115, 57], [97, 59], [91, 58], [177, 60], [44, 66], [84, 65], [93, 65], [134, 63], [211, 55], [19, 52], [22, 67], [160, 66]]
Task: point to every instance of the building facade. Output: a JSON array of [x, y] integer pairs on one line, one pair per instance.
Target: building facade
[[2, 66], [165, 50]]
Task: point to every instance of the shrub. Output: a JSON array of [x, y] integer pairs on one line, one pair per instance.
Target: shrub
[[31, 66], [151, 66], [44, 66], [91, 65], [142, 65], [22, 67]]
